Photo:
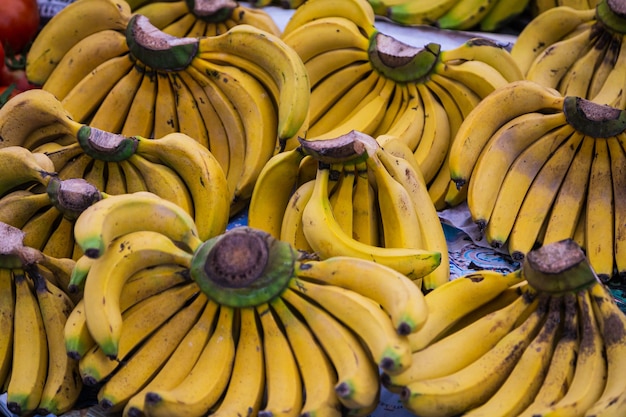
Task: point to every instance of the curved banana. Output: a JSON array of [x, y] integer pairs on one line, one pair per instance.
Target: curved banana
[[327, 239], [18, 207], [465, 14], [7, 307], [272, 53], [365, 220], [360, 12], [618, 177], [291, 229], [75, 23], [418, 13], [118, 215], [137, 250], [140, 117]]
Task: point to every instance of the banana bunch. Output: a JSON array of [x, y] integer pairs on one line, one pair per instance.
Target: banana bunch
[[552, 343], [364, 80], [578, 51], [539, 6], [239, 324], [285, 4], [175, 166], [483, 15], [541, 167], [198, 18], [350, 196], [241, 94], [35, 371]]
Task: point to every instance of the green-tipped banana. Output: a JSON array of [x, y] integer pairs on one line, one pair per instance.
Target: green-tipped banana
[[243, 267], [558, 268], [399, 61], [157, 49], [593, 119]]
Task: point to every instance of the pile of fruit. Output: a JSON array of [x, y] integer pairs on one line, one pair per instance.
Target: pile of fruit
[[145, 126]]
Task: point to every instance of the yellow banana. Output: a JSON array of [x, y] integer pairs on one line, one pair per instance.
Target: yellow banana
[[190, 121], [604, 68], [140, 117], [76, 335], [282, 377], [7, 310], [20, 166], [17, 207], [465, 293], [291, 228], [479, 76], [165, 115], [501, 13], [409, 125], [464, 97], [465, 14], [360, 12], [341, 198], [611, 92], [357, 375], [115, 181], [137, 251], [30, 350], [327, 239], [365, 212], [162, 14], [325, 63], [600, 213], [206, 382], [417, 12], [618, 176], [576, 81], [57, 40]]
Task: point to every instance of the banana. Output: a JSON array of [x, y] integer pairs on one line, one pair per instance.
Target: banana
[[618, 176], [464, 97], [259, 116], [466, 293], [590, 373], [141, 114], [163, 181], [539, 198], [394, 108], [115, 181], [561, 368], [7, 313], [190, 121], [57, 39], [180, 28], [325, 63], [442, 357], [610, 318], [180, 363], [398, 296], [118, 215], [518, 180], [274, 54], [162, 14], [139, 321], [365, 211], [408, 126], [76, 64], [165, 115], [433, 236], [150, 356], [360, 12], [27, 113], [207, 380], [357, 376], [552, 63], [434, 143], [553, 25], [571, 197], [526, 377], [327, 239], [600, 217], [500, 152], [256, 17], [137, 250], [318, 376], [284, 394], [514, 99], [611, 92], [38, 229], [576, 81], [474, 384], [112, 112], [245, 390], [202, 175], [341, 198], [30, 350], [276, 182], [88, 93], [76, 335], [416, 12], [291, 228], [479, 76], [400, 218], [465, 14], [62, 388], [151, 281], [604, 68], [501, 13]]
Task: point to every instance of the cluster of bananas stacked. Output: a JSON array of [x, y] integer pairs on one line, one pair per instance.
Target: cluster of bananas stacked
[[364, 80], [542, 167], [552, 343], [35, 372], [579, 52], [241, 94], [239, 324], [348, 196], [175, 166], [539, 6]]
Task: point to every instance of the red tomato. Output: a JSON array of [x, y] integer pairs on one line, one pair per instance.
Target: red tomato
[[2, 56], [19, 23]]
